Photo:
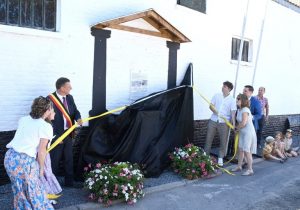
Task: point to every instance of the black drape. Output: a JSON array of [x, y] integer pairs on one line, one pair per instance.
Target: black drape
[[145, 132]]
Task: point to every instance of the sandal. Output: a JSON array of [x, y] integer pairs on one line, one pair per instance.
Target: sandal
[[236, 169], [248, 173]]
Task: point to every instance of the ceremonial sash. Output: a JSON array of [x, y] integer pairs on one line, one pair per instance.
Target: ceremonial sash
[[63, 110]]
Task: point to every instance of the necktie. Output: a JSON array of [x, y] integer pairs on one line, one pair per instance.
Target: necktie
[[66, 107], [65, 103]]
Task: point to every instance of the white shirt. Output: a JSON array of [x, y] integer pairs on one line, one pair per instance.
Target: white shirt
[[28, 135], [62, 101], [224, 106]]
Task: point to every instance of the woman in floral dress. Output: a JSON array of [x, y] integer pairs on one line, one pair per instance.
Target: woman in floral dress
[[24, 160]]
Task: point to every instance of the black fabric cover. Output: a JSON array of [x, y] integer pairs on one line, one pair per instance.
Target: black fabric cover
[[145, 132]]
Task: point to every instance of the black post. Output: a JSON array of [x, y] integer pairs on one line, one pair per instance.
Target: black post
[[172, 68], [99, 77]]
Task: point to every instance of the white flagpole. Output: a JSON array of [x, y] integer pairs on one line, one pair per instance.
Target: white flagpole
[[241, 48]]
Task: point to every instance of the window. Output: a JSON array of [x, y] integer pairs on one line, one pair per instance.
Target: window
[[39, 14], [199, 5], [247, 50]]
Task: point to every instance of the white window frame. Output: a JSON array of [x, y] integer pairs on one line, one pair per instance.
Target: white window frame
[[250, 52]]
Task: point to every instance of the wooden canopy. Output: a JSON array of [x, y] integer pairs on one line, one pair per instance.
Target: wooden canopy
[[162, 27]]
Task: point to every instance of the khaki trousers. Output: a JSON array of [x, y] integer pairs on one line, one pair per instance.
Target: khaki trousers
[[223, 130]]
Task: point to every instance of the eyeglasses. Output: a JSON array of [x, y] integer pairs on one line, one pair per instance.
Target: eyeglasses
[[238, 99]]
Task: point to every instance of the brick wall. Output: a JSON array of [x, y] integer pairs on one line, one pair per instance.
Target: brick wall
[[5, 137], [275, 123]]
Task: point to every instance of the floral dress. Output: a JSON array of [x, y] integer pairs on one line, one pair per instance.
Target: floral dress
[[23, 171], [49, 180]]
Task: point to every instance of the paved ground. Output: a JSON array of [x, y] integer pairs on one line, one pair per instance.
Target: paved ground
[[274, 186]]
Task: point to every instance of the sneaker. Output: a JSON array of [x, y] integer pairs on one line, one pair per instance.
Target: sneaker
[[220, 161], [248, 173]]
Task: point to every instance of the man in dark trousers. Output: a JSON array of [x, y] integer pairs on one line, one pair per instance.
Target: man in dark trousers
[[65, 114]]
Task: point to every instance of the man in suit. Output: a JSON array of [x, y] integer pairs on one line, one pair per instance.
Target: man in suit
[[255, 106], [66, 113]]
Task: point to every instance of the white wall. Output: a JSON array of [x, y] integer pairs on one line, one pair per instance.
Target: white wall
[[32, 60]]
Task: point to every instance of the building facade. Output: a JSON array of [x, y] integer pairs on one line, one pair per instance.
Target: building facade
[[41, 42]]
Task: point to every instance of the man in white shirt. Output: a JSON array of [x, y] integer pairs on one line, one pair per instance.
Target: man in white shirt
[[222, 104]]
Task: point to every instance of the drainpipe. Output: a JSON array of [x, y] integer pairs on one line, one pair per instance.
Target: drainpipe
[[259, 42]]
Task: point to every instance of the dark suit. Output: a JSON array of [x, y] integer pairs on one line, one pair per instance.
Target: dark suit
[[65, 149], [255, 109]]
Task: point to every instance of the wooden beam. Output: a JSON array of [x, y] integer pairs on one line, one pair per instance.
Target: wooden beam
[[163, 30], [166, 30], [168, 26], [120, 20], [140, 31]]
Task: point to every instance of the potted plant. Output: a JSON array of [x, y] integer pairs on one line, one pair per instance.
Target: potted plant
[[114, 181], [191, 162]]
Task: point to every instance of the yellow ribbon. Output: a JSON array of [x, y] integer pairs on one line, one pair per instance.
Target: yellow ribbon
[[53, 196], [225, 170], [67, 132], [236, 143]]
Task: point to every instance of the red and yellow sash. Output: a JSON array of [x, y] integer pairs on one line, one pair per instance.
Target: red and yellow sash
[[63, 110]]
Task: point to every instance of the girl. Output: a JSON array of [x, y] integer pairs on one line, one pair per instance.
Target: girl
[[288, 144], [280, 145]]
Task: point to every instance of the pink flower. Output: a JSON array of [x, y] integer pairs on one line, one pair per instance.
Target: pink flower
[[92, 196], [85, 169], [130, 202], [100, 200], [116, 188], [98, 165]]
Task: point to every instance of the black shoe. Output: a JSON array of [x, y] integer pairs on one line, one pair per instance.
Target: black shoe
[[281, 161]]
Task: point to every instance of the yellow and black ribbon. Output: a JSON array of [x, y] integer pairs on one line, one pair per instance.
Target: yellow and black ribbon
[[62, 109]]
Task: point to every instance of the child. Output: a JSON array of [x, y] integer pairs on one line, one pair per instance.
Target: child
[[270, 152], [49, 180], [288, 144], [279, 144]]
